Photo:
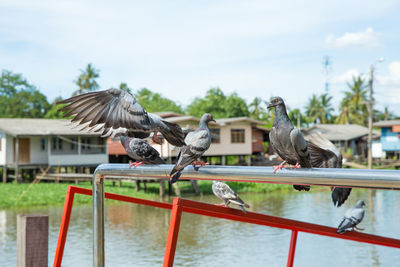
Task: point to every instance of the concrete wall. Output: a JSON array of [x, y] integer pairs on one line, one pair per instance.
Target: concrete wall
[[9, 149], [37, 155]]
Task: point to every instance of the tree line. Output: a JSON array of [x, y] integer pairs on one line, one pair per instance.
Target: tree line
[[21, 99]]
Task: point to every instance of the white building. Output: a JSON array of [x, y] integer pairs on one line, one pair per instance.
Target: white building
[[34, 143]]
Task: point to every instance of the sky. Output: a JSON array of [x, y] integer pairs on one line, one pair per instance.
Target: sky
[[183, 48]]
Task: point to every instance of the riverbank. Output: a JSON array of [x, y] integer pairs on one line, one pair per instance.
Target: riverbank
[[15, 195]]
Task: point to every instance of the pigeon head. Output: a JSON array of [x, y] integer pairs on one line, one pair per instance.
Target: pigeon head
[[275, 101], [360, 204], [206, 118]]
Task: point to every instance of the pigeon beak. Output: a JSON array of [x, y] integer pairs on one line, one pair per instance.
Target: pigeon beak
[[213, 120], [271, 105]]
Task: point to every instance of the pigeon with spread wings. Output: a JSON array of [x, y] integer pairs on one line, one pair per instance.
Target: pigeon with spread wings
[[116, 112]]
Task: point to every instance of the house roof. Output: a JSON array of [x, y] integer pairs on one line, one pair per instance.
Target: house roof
[[168, 114], [40, 127], [237, 119], [182, 118], [340, 132], [387, 123]]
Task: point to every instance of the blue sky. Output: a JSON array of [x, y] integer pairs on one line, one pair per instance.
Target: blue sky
[[182, 48]]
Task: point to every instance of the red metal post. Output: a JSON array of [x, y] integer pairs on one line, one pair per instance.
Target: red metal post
[[173, 231], [292, 248], [62, 236]]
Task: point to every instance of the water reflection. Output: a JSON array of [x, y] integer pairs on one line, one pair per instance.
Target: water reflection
[[136, 235]]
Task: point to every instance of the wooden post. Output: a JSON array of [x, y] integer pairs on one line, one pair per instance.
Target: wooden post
[[32, 240], [162, 189], [16, 158], [195, 187], [5, 174], [137, 185], [223, 160], [119, 182], [169, 188], [144, 185], [176, 189]]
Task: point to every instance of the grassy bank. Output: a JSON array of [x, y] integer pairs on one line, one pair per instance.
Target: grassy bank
[[23, 195]]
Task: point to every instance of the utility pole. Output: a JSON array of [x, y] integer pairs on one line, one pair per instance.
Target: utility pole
[[371, 111]]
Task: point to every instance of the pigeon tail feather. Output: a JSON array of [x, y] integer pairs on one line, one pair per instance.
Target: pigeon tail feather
[[340, 195], [176, 177]]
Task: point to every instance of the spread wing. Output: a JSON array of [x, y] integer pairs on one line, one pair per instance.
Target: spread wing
[[300, 146], [111, 111]]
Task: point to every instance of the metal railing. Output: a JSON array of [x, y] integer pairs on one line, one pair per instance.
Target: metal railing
[[376, 179]]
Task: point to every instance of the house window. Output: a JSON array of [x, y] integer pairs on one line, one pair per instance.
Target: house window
[[60, 144], [43, 144], [72, 147], [237, 136], [54, 142], [215, 135]]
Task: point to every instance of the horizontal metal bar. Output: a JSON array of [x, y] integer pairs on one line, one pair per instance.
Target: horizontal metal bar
[[377, 179]]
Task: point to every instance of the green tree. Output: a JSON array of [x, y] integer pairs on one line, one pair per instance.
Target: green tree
[[155, 102], [86, 81], [124, 86], [54, 110], [353, 108], [219, 105], [19, 98], [319, 108], [257, 111]]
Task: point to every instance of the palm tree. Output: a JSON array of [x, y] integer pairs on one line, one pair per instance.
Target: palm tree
[[313, 108], [256, 110], [326, 109], [87, 80], [354, 104], [124, 86]]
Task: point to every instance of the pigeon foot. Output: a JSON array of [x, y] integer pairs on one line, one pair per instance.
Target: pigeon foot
[[197, 162], [360, 229], [155, 138], [278, 167], [297, 166], [221, 205], [135, 164]]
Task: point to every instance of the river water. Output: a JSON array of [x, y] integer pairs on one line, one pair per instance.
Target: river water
[[136, 235]]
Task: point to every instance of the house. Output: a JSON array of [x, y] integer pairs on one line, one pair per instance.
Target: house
[[349, 138], [240, 136], [390, 137], [37, 143]]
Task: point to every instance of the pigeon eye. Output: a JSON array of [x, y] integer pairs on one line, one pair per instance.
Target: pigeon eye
[[276, 100]]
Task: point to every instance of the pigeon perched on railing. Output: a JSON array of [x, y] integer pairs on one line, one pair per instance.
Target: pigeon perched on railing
[[115, 111], [197, 142], [140, 151], [288, 141], [324, 154], [352, 218], [226, 194]]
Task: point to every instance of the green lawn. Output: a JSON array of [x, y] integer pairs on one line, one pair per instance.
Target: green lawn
[[23, 195]]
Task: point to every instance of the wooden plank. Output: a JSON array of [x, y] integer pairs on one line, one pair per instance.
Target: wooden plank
[[32, 240]]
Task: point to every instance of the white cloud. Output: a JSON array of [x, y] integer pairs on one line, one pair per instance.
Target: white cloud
[[368, 38], [393, 77], [346, 76]]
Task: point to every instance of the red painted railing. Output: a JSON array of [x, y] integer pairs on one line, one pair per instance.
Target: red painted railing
[[183, 205]]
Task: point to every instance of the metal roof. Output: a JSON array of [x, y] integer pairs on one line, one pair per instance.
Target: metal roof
[[339, 132], [29, 127], [238, 119], [387, 123]]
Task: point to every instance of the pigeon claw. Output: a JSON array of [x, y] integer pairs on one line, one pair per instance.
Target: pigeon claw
[[155, 138], [297, 166], [135, 164], [200, 163], [278, 167], [360, 229]]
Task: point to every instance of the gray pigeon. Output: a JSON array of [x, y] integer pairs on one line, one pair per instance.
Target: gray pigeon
[[140, 151], [352, 218], [225, 193], [115, 111], [288, 141], [324, 154], [197, 142]]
